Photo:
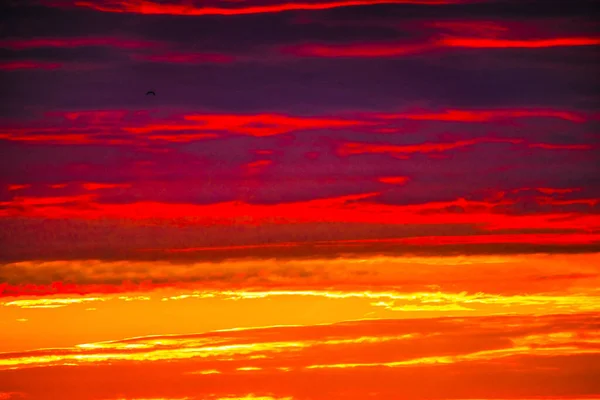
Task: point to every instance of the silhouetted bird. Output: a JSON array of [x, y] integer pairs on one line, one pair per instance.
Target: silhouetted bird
[[150, 92]]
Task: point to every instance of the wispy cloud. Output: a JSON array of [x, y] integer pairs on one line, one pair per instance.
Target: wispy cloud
[[153, 7], [118, 126], [187, 58], [401, 347], [523, 44], [27, 65], [71, 42], [396, 49]]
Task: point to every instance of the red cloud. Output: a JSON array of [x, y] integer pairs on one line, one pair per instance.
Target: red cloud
[[234, 8], [25, 135], [376, 49], [352, 148], [356, 50], [258, 164], [346, 209], [482, 43], [48, 201], [187, 58], [136, 127], [546, 238], [557, 191], [476, 28], [21, 65], [181, 138], [18, 187], [550, 146], [520, 238], [360, 148], [98, 186], [22, 44], [453, 115], [394, 180], [253, 125]]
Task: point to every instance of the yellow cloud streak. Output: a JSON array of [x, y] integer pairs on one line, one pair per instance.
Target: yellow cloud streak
[[185, 349], [390, 300], [557, 343], [578, 302], [477, 356], [51, 302]]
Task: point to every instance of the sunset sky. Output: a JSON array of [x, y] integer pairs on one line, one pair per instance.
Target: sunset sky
[[335, 199]]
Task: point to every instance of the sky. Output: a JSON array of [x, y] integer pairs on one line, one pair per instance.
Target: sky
[[335, 199]]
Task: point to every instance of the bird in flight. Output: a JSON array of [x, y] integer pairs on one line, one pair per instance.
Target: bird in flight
[[150, 92]]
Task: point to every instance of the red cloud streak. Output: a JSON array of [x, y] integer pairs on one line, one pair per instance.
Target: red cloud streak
[[394, 49], [549, 239], [99, 186], [550, 146], [22, 44], [237, 8], [356, 50], [253, 125], [100, 126], [484, 43], [188, 58], [481, 28], [347, 209], [21, 65], [453, 115], [18, 187], [521, 238], [360, 148]]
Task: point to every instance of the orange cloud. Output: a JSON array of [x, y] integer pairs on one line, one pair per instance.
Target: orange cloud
[[12, 395], [384, 277], [280, 362], [233, 349]]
